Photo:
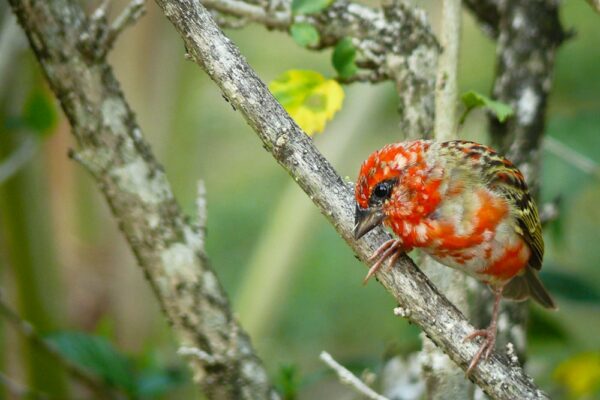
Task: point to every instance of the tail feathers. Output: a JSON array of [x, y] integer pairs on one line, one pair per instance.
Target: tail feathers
[[528, 285]]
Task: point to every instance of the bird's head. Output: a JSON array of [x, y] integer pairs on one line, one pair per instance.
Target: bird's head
[[396, 182], [386, 183]]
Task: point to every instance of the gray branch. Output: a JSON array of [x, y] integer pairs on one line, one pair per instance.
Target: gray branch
[[529, 34], [394, 42], [166, 245], [443, 380], [487, 14], [424, 306]]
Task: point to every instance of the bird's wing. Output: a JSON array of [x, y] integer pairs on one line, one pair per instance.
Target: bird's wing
[[507, 180]]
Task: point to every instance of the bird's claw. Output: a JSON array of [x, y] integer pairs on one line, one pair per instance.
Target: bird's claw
[[486, 347], [391, 250]]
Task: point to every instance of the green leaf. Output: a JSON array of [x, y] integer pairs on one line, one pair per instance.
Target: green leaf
[[344, 58], [98, 356], [309, 98], [304, 34], [309, 6], [472, 99], [570, 286], [288, 382], [39, 112]]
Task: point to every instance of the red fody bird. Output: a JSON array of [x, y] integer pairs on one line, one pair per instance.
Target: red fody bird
[[464, 205]]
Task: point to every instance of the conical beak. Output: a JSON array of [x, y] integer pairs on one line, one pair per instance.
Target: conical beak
[[366, 219]]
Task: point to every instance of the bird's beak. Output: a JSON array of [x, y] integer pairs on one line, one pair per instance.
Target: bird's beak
[[366, 219]]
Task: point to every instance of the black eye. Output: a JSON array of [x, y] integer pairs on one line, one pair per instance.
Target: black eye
[[382, 191]]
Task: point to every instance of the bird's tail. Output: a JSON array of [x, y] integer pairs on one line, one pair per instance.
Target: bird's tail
[[528, 285]]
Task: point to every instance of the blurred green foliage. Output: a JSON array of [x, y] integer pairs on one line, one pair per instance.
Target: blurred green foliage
[[98, 356], [304, 34]]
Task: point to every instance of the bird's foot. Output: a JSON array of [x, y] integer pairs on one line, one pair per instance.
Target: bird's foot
[[489, 341], [390, 250]]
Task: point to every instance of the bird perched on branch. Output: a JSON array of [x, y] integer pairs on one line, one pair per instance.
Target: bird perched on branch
[[464, 205]]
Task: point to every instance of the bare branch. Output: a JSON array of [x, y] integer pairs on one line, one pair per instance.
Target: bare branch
[[394, 42], [487, 13], [134, 11], [16, 160], [529, 34], [201, 210], [549, 211], [20, 391], [525, 63], [447, 72], [443, 379], [440, 320], [100, 37], [571, 156], [167, 247], [349, 378], [595, 5]]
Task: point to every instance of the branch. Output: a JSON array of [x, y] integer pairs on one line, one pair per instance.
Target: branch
[[571, 156], [486, 11], [443, 379], [349, 378], [446, 95], [595, 4], [529, 34], [394, 42], [16, 160], [128, 17], [295, 151], [19, 391], [166, 245], [526, 53]]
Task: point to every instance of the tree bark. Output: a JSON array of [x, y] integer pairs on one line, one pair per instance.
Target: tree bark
[[424, 306], [71, 49], [168, 247], [529, 34]]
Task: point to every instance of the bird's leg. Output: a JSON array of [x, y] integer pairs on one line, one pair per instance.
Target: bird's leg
[[489, 334], [392, 247]]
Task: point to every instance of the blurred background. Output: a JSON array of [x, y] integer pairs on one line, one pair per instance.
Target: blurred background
[[295, 285]]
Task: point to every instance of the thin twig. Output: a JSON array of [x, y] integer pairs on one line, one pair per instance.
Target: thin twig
[[443, 379], [595, 5], [201, 210], [571, 156], [348, 378], [130, 14], [21, 391], [30, 333], [12, 41], [550, 211], [16, 160], [447, 72]]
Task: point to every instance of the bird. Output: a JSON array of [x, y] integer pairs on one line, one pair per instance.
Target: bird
[[464, 205]]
